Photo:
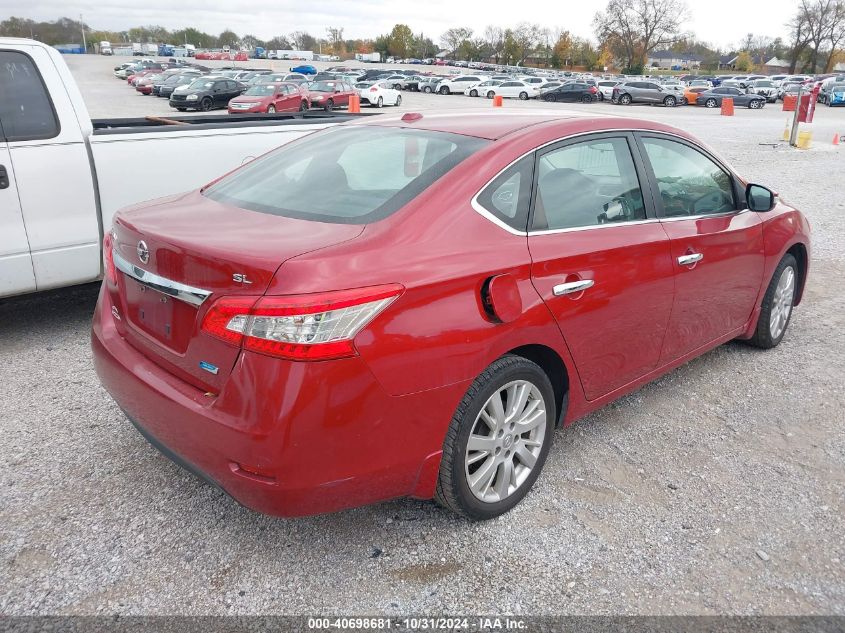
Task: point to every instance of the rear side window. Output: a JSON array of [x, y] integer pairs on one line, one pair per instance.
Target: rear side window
[[26, 112], [352, 175], [509, 195], [587, 184]]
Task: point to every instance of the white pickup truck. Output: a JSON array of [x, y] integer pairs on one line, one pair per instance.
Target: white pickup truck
[[63, 176]]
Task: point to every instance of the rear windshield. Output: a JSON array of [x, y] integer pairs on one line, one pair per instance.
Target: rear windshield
[[352, 175]]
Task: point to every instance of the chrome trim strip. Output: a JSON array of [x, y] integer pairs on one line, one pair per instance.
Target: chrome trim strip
[[182, 292], [492, 218], [592, 226]]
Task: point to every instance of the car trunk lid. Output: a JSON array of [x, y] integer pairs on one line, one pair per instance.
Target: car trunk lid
[[177, 256]]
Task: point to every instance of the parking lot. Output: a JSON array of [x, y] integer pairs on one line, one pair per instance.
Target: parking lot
[[719, 488]]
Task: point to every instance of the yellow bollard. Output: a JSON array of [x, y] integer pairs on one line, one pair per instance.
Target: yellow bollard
[[786, 131], [804, 139]]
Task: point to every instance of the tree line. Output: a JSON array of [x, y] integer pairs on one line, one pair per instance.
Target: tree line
[[627, 32]]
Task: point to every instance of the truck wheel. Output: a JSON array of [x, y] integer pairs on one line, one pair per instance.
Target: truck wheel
[[498, 440], [271, 109], [329, 105], [205, 104]]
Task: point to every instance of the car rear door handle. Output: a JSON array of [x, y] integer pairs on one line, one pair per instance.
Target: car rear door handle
[[572, 287], [4, 178], [689, 260]]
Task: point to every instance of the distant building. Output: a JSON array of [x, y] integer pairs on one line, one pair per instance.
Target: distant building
[[672, 60], [775, 66]]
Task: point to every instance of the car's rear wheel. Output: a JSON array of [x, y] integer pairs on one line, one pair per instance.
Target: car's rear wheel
[[498, 440], [523, 96], [549, 98], [625, 99], [271, 109], [586, 99], [776, 309], [329, 105], [711, 103], [205, 104], [379, 102], [427, 89], [473, 93], [491, 94], [755, 104], [670, 102], [397, 86], [444, 90], [398, 100]]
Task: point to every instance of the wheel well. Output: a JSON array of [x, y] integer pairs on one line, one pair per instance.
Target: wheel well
[[799, 252], [551, 363]]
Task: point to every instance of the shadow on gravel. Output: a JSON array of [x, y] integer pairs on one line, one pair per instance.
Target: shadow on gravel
[[50, 309]]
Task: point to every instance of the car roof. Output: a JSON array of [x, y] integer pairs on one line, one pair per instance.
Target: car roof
[[496, 125]]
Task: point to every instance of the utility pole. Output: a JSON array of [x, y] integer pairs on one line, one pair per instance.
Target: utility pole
[[84, 41]]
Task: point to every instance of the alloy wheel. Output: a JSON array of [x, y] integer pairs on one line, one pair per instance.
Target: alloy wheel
[[505, 441], [782, 303]]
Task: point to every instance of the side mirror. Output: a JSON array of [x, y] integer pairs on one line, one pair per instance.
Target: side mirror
[[759, 198]]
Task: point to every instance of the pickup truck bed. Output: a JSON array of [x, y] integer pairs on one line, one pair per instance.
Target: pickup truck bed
[[63, 176]]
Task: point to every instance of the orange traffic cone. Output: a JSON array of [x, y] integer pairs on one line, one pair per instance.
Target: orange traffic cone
[[354, 104], [728, 106], [836, 139], [497, 101]]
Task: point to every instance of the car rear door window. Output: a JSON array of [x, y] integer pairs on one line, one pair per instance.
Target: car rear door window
[[26, 112], [587, 184], [689, 182]]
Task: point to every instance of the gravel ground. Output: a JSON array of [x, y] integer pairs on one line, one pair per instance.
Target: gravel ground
[[719, 488]]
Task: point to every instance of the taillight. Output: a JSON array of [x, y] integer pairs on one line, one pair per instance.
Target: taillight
[[593, 89], [304, 327], [373, 89], [109, 270]]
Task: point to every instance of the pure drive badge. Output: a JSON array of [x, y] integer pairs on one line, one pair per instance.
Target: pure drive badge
[[212, 369]]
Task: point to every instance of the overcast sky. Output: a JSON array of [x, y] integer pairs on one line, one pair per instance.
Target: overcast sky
[[720, 22]]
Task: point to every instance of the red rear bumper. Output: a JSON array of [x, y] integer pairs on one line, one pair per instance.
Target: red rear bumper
[[322, 436]]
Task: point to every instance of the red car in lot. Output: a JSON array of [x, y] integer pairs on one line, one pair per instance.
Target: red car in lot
[[330, 94], [410, 306], [276, 97]]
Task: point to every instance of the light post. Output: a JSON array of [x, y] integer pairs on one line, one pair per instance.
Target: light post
[[84, 41]]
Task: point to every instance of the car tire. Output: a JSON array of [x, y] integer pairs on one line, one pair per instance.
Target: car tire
[[670, 102], [755, 104], [473, 93], [549, 98], [523, 96], [329, 105], [586, 99], [427, 89], [398, 100], [380, 102], [444, 90], [625, 99], [491, 94], [397, 86], [601, 97], [303, 106], [482, 498], [711, 103], [205, 104], [271, 109], [776, 309]]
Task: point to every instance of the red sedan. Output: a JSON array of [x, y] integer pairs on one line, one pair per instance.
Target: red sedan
[[278, 97], [328, 95], [411, 306]]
